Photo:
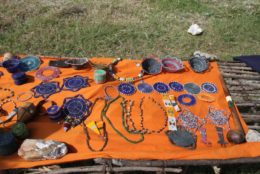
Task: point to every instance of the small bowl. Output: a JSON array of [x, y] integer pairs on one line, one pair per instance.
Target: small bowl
[[199, 64], [12, 65], [78, 63], [152, 66], [172, 64]]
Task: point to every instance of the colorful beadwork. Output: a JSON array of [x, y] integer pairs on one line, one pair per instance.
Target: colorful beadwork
[[191, 98], [40, 73], [30, 63], [126, 88], [221, 139], [218, 117], [192, 88], [144, 88], [77, 109], [176, 86], [209, 87], [46, 89], [160, 87], [75, 83]]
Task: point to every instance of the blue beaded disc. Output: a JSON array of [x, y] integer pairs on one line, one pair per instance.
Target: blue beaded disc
[[192, 88], [144, 88], [209, 87], [176, 86], [160, 87], [189, 96], [75, 83], [46, 89], [126, 88]]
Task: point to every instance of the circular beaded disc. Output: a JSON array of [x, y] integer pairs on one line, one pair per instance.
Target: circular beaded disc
[[144, 88], [191, 102], [192, 88], [75, 83], [160, 87], [29, 63], [76, 107], [46, 89], [176, 86], [209, 87], [126, 88]]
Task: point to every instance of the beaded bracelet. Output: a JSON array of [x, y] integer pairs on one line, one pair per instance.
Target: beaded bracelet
[[40, 73], [8, 96], [24, 96], [11, 114], [107, 96]]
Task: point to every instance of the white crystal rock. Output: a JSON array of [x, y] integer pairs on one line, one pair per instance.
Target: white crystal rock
[[195, 29], [252, 136], [36, 149], [208, 56]]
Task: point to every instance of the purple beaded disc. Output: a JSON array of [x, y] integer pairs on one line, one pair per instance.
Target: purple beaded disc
[[126, 88], [176, 86], [160, 87]]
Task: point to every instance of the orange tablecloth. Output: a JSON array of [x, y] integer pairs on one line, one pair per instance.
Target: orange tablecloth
[[155, 146]]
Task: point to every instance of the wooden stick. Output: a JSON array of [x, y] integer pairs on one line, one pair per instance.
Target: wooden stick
[[235, 67], [228, 70], [249, 77]]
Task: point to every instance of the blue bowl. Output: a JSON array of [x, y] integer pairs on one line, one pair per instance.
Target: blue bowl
[[18, 75], [12, 65]]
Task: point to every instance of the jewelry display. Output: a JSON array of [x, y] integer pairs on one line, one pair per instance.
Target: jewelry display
[[76, 109], [11, 114], [221, 139], [218, 117], [206, 97], [182, 99], [172, 64], [45, 78], [143, 130], [75, 83], [46, 89], [209, 87], [199, 64], [24, 96], [30, 63], [144, 88], [203, 134], [176, 86], [126, 89], [160, 87], [192, 88], [3, 90], [190, 121]]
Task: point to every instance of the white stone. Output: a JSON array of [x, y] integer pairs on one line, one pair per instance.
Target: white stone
[[195, 29], [36, 149], [208, 56], [252, 136]]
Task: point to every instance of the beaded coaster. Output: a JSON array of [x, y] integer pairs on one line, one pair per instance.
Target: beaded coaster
[[191, 98], [126, 88], [160, 87], [45, 78], [144, 88], [75, 83], [176, 86], [192, 88], [46, 89], [209, 87], [30, 63]]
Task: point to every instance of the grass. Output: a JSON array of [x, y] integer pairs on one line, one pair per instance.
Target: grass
[[132, 29]]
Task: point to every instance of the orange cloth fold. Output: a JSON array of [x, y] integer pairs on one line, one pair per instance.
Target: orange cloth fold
[[154, 146]]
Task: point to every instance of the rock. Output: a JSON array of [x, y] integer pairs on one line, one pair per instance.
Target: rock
[[195, 29], [26, 112], [8, 56], [252, 136], [36, 149], [210, 57]]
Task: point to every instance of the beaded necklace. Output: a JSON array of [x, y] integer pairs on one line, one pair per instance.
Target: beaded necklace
[[11, 94], [143, 130]]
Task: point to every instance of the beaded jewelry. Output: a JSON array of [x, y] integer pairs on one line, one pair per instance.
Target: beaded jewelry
[[40, 73], [175, 86], [76, 109], [191, 98], [143, 130], [75, 83], [46, 89], [11, 114], [192, 88], [218, 117], [24, 96], [11, 93], [221, 139], [204, 136], [160, 87], [107, 95], [209, 87], [144, 88], [190, 121], [126, 88]]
